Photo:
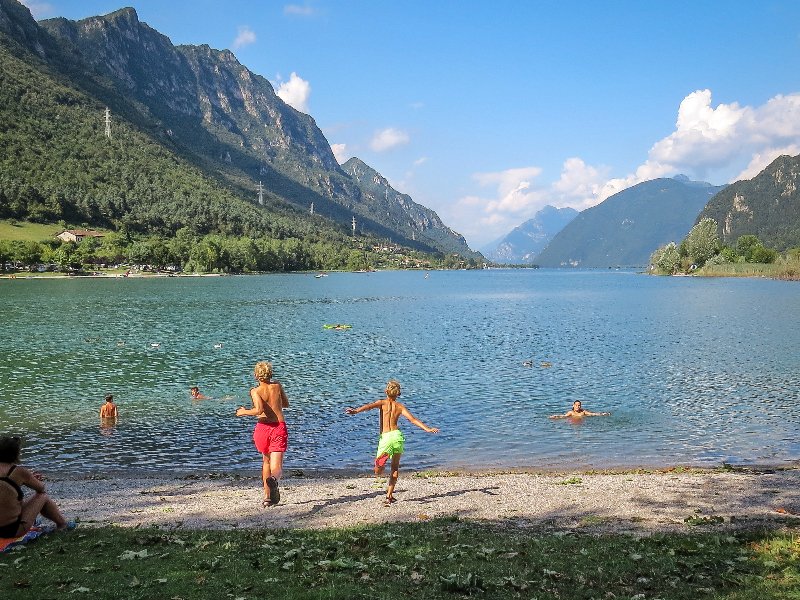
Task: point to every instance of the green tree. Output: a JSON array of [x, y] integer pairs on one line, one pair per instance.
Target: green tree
[[29, 253], [6, 252], [764, 255], [702, 242], [670, 259], [745, 246]]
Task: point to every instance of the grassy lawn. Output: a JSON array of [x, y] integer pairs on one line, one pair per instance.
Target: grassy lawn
[[27, 232], [436, 559]]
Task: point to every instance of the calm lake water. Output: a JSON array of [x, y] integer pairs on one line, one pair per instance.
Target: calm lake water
[[695, 371]]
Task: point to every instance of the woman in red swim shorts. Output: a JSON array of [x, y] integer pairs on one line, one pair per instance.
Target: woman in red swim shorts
[[269, 436]]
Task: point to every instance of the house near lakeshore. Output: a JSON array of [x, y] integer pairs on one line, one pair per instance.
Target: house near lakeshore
[[76, 235]]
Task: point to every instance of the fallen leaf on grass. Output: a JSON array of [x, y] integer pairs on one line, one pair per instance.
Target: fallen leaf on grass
[[132, 555]]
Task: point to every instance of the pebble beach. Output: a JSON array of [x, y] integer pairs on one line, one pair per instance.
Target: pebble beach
[[627, 502]]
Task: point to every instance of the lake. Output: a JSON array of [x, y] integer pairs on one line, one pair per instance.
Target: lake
[[695, 371]]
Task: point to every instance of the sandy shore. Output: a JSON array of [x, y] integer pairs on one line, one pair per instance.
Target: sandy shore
[[626, 502]]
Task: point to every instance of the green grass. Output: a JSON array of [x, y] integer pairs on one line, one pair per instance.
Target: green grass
[[435, 559], [28, 232], [782, 269]]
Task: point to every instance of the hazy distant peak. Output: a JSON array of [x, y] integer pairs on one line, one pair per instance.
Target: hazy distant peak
[[686, 181]]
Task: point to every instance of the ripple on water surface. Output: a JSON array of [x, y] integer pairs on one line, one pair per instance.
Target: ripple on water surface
[[691, 373]]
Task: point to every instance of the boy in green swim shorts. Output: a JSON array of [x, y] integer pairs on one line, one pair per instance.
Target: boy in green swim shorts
[[391, 443]]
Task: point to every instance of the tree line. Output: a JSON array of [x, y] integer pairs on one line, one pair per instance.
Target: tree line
[[212, 253], [702, 247]]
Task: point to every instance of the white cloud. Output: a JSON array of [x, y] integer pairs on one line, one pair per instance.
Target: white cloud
[[39, 10], [709, 142], [515, 193], [298, 10], [420, 161], [761, 160], [720, 144], [340, 152], [389, 138], [295, 92], [245, 37]]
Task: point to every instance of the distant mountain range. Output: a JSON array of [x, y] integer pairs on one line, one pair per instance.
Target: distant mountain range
[[767, 206], [194, 133], [523, 243], [627, 227]]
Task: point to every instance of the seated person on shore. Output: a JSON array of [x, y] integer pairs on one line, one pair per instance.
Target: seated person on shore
[[17, 513], [109, 409], [194, 392], [579, 411]]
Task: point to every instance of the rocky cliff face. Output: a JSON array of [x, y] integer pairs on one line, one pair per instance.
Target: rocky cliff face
[[196, 82], [767, 206], [414, 220], [214, 108]]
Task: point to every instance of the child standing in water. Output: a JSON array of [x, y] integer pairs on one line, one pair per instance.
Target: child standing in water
[[269, 436], [391, 443], [109, 409]]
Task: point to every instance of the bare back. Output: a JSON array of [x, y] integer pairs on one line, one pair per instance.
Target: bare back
[[391, 411], [271, 399]]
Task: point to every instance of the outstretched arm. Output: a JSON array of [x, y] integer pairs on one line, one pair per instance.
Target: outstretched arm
[[594, 414], [354, 411], [407, 414]]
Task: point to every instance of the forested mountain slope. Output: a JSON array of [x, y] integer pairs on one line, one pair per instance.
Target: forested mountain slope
[[624, 229], [767, 206], [193, 132]]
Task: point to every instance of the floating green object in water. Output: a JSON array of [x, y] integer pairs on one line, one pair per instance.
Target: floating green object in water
[[336, 326]]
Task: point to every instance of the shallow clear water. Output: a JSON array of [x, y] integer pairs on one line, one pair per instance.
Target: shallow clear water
[[695, 371]]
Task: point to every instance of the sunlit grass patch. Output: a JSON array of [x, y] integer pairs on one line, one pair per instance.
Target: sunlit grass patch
[[444, 558]]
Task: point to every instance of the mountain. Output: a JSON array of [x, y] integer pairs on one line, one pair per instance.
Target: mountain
[[624, 229], [767, 206], [214, 115], [523, 243], [412, 219]]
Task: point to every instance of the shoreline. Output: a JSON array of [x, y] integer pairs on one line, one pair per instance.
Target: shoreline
[[642, 503]]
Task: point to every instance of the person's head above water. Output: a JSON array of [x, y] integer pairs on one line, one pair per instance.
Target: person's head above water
[[109, 398], [263, 371], [576, 406], [393, 388]]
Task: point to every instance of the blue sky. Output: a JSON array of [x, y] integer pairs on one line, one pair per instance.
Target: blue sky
[[488, 111]]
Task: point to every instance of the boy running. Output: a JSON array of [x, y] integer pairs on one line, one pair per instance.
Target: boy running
[[391, 443], [270, 435]]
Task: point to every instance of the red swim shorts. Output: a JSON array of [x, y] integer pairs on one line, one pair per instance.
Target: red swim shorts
[[271, 437]]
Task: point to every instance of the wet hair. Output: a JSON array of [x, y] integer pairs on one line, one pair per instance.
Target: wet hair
[[109, 397], [263, 371], [9, 449], [393, 388]]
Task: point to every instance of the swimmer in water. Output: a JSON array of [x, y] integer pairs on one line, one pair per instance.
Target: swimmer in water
[[579, 412], [194, 392]]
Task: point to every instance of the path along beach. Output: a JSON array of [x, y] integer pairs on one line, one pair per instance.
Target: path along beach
[[628, 502]]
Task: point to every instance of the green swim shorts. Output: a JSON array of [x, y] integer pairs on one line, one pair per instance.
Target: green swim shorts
[[391, 443]]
